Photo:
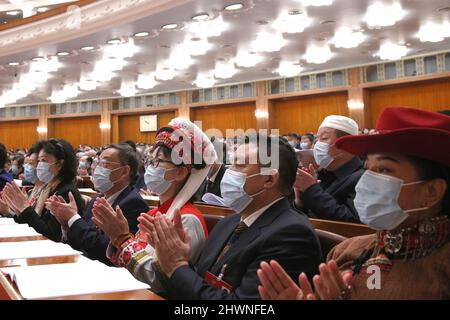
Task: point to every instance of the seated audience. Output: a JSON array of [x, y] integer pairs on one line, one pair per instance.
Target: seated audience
[[85, 166], [294, 140], [405, 196], [5, 176], [114, 177], [17, 166], [330, 193], [307, 141], [57, 169], [174, 171], [212, 182], [264, 227]]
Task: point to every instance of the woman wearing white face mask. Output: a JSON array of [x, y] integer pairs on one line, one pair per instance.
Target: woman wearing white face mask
[[175, 169], [405, 197], [56, 169]]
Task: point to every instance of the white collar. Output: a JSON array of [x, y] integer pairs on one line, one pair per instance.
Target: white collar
[[113, 198], [255, 215]]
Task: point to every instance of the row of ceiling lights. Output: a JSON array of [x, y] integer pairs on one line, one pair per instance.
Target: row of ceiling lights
[[294, 22]]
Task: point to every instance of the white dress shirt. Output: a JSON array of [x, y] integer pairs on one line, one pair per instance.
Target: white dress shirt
[[255, 215]]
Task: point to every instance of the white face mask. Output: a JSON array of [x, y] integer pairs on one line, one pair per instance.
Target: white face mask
[[377, 201], [155, 181], [321, 155], [43, 172], [232, 190], [102, 179]]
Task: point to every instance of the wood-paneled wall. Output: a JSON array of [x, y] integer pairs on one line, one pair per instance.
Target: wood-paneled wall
[[18, 134], [128, 127], [430, 95], [223, 117], [83, 130], [305, 114]]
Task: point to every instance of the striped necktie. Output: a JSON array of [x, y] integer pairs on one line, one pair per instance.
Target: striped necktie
[[236, 233]]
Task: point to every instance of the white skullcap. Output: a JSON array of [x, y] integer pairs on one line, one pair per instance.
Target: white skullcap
[[341, 123]]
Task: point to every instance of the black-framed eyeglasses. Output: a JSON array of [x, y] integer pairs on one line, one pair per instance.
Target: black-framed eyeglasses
[[154, 162]]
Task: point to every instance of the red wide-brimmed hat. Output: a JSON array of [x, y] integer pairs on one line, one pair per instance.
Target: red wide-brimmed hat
[[407, 131]]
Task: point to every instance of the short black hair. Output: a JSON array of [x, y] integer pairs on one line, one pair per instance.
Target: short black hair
[[62, 150], [287, 158], [308, 136], [131, 143], [127, 157], [3, 156], [35, 148], [446, 112], [429, 170]]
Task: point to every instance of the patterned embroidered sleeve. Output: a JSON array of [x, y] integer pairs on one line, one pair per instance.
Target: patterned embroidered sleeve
[[139, 259]]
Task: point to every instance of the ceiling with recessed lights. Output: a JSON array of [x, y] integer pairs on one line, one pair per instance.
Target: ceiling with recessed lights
[[204, 43]]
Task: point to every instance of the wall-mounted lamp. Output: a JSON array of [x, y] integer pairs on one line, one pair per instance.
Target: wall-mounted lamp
[[259, 114], [355, 104], [104, 126], [41, 129]]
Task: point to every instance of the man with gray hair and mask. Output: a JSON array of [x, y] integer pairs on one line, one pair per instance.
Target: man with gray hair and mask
[[328, 193]]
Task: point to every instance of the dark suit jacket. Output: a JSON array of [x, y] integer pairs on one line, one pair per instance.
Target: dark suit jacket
[[210, 187], [83, 235], [46, 224], [333, 197], [280, 233], [5, 177]]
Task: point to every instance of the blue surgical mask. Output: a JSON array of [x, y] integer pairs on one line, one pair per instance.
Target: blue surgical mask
[[102, 179], [82, 165], [30, 173], [321, 155], [304, 145], [43, 172], [14, 169], [155, 181], [376, 201], [232, 190]]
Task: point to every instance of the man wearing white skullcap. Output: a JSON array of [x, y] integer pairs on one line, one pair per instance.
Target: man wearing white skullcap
[[329, 192]]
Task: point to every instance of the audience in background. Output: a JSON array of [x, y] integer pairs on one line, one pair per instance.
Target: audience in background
[[56, 168], [329, 194], [307, 141], [294, 140], [405, 196], [114, 177], [5, 176], [17, 165], [85, 166]]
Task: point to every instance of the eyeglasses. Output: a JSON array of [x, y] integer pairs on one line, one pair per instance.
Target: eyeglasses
[[154, 162], [104, 163]]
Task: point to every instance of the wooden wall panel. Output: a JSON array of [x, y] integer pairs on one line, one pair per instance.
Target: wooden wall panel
[[129, 127], [429, 95], [305, 114], [83, 130], [18, 134], [223, 117]]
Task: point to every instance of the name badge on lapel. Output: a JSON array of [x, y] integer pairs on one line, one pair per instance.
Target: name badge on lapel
[[217, 282]]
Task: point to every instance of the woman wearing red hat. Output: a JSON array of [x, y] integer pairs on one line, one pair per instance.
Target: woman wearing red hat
[[405, 196], [179, 162]]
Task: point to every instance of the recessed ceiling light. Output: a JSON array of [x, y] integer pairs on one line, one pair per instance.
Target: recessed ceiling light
[[169, 26], [328, 21], [234, 6], [38, 58], [261, 22], [13, 13], [444, 9], [63, 53], [141, 34], [200, 17], [42, 9], [87, 48], [13, 64], [114, 41], [295, 12]]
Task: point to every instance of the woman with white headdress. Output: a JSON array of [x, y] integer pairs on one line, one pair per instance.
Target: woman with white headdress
[[178, 163]]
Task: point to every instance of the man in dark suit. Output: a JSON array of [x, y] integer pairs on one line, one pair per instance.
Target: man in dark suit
[[330, 194], [114, 177], [264, 227], [211, 184]]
